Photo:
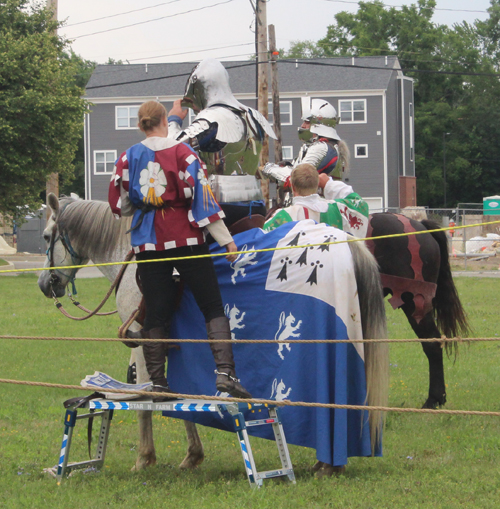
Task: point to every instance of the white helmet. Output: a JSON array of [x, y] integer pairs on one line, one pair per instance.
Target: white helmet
[[323, 118]]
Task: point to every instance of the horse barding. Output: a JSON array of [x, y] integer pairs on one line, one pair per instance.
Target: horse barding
[[311, 291]]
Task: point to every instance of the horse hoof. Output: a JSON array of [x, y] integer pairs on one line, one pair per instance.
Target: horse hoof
[[433, 403], [329, 471], [191, 462], [317, 466], [142, 463]]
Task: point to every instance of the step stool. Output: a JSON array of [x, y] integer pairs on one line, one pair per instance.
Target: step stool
[[105, 408]]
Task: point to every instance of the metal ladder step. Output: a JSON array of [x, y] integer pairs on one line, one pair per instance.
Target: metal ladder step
[[105, 409]]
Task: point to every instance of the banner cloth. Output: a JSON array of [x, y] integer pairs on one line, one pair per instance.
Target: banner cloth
[[302, 293]]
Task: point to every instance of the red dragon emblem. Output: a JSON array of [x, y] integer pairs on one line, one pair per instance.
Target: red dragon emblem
[[354, 221]]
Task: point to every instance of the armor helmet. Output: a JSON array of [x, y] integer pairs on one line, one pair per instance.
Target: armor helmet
[[208, 84], [323, 118]]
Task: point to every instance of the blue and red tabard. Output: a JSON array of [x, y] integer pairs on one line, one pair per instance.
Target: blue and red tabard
[[167, 183]]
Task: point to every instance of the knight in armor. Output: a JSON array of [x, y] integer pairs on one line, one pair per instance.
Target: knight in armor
[[328, 154], [164, 185], [349, 214], [227, 134]]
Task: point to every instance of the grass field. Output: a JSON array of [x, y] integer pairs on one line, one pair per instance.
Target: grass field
[[429, 461]]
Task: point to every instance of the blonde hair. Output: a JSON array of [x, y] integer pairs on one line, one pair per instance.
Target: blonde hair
[[305, 179], [150, 115]]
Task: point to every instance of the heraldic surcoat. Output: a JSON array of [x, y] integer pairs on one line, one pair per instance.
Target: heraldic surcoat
[[164, 184], [349, 214]]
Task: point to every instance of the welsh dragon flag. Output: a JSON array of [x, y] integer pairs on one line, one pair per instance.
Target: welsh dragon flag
[[308, 292]]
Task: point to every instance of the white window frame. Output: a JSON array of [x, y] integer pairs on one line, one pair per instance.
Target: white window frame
[[412, 151], [352, 101], [270, 112], [365, 145], [129, 127], [287, 148], [191, 116], [113, 152]]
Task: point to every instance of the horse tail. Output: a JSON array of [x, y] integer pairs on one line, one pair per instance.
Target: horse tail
[[449, 313], [373, 321], [345, 155]]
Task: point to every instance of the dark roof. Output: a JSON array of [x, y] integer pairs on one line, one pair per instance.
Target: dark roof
[[326, 74]]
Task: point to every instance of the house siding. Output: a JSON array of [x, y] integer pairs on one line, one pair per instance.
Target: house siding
[[389, 146]]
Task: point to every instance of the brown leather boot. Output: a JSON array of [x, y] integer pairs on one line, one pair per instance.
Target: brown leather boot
[[218, 328], [155, 355]]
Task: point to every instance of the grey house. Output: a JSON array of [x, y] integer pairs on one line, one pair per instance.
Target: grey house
[[372, 96]]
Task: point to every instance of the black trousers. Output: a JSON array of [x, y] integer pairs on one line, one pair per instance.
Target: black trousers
[[160, 290]]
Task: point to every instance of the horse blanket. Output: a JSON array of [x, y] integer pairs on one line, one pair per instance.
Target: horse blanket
[[308, 292]]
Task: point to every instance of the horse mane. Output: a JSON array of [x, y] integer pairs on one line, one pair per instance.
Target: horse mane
[[92, 227]]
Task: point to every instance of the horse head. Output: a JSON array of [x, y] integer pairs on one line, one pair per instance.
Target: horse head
[[60, 253]]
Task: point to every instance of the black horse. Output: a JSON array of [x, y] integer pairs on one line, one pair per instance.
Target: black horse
[[415, 270]]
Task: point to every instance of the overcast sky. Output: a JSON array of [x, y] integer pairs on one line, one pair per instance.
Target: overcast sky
[[223, 27]]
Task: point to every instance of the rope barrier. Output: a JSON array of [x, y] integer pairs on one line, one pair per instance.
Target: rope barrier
[[261, 401], [213, 255], [442, 340]]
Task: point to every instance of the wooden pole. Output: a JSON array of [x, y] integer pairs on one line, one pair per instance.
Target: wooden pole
[[52, 185], [262, 61], [273, 51]]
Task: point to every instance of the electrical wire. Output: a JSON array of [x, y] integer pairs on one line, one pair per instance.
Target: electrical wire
[[151, 20], [122, 13], [322, 64]]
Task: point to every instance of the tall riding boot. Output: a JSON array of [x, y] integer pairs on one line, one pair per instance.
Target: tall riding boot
[[218, 328], [155, 355]]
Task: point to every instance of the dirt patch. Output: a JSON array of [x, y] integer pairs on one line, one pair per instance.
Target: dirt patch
[[487, 264]]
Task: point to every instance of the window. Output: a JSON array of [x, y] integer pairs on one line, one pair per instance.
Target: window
[[285, 112], [287, 153], [361, 151], [104, 161], [126, 117], [353, 112]]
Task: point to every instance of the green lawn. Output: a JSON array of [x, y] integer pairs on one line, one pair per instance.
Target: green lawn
[[429, 461]]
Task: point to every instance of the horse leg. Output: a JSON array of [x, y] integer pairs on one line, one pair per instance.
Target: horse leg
[[195, 454], [427, 329], [146, 455]]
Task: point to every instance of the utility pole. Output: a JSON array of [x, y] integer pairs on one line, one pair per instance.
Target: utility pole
[[278, 152], [52, 185], [262, 61]]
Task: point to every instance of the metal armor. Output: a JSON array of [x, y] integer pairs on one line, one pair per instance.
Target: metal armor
[[227, 134]]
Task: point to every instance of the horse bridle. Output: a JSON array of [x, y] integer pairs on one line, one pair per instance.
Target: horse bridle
[[75, 259]]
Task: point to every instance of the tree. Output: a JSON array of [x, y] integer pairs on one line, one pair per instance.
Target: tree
[[465, 106], [41, 109]]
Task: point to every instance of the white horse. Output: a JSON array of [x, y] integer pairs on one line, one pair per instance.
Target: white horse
[[80, 230]]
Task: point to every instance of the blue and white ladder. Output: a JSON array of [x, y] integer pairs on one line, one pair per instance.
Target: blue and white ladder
[[105, 408]]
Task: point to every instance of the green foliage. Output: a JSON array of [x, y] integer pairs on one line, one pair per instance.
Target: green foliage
[[467, 107], [41, 109]]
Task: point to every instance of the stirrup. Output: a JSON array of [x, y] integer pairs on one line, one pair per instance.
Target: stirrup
[[162, 388], [232, 378]]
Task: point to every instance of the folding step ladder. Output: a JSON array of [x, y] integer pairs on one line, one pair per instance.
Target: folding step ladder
[[105, 408]]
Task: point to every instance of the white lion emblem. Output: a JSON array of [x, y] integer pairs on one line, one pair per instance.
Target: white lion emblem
[[235, 318], [286, 330], [278, 391], [239, 265]]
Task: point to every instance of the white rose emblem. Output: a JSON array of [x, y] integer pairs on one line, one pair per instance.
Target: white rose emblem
[[153, 183]]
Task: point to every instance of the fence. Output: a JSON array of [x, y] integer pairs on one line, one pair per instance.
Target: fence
[[461, 247]]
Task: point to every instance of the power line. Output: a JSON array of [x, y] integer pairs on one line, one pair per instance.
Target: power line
[[322, 64], [401, 6], [122, 13], [151, 20]]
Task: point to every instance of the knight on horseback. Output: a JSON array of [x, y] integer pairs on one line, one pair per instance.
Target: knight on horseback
[[227, 134], [325, 151]]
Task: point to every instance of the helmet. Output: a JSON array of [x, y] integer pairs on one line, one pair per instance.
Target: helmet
[[323, 118]]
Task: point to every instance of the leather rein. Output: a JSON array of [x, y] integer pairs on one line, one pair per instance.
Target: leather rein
[[76, 260]]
